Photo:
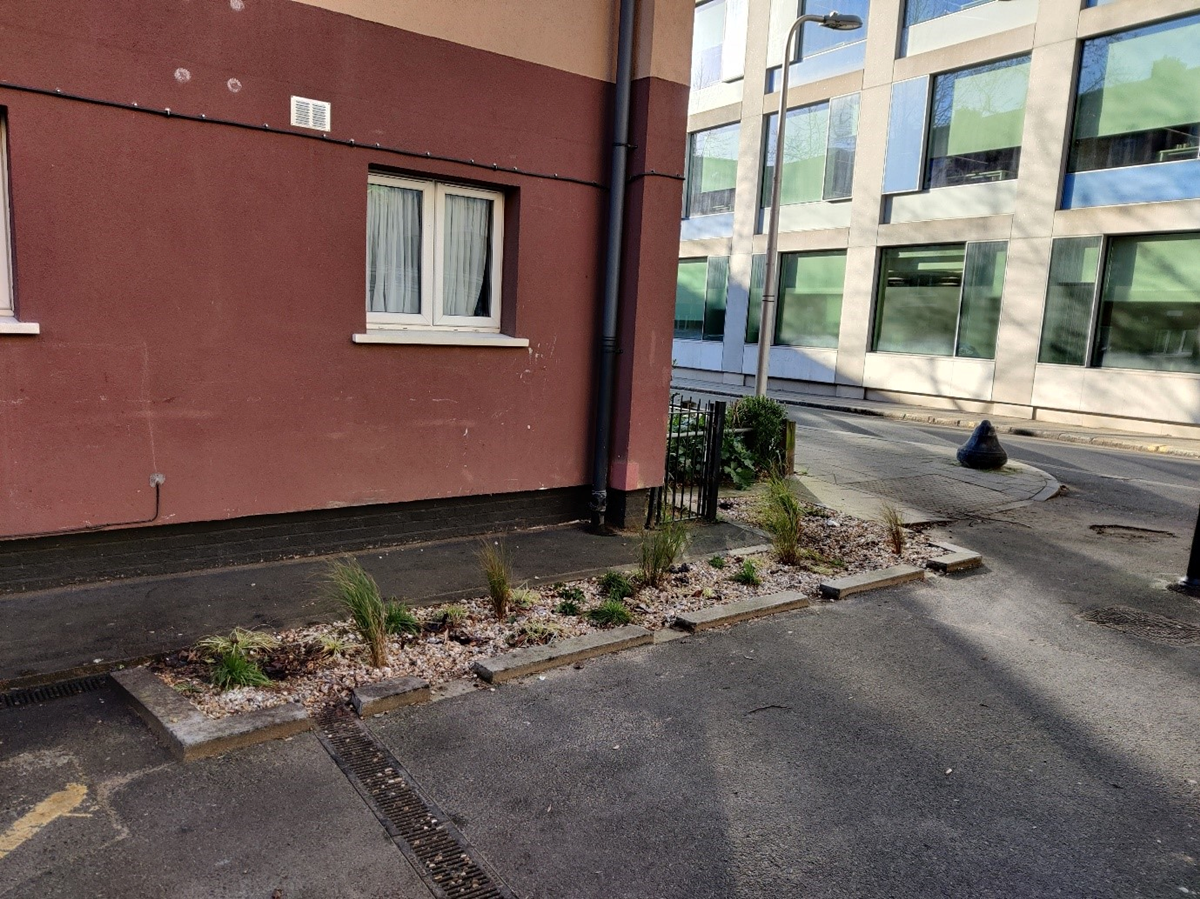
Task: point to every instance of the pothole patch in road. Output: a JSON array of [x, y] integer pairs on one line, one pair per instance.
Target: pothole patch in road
[[1128, 532], [1158, 628]]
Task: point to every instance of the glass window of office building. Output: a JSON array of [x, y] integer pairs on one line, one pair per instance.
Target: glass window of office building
[[818, 152], [700, 292], [814, 38], [809, 301], [1138, 97], [1135, 300], [941, 300], [975, 123], [711, 171], [918, 11], [708, 40]]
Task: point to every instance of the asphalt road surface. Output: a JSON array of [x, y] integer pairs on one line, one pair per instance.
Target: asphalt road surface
[[970, 736]]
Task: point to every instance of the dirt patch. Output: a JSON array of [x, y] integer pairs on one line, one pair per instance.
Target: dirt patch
[[1128, 532]]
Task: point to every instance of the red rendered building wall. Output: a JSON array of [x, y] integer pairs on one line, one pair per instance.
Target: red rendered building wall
[[197, 285]]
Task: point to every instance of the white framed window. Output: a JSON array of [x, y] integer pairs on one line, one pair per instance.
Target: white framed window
[[434, 256], [8, 318]]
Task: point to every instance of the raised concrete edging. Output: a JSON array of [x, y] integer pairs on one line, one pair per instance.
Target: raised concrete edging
[[374, 699], [189, 734], [955, 558], [743, 610], [871, 580], [533, 659]]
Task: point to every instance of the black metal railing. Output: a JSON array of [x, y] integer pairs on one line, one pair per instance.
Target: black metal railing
[[693, 464]]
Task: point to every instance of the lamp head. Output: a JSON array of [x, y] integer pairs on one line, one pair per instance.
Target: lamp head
[[839, 22]]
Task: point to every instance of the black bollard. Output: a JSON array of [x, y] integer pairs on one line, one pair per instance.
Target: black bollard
[[983, 450], [1192, 580]]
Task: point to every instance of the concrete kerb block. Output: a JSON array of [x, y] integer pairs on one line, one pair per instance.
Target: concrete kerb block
[[871, 580], [533, 659], [744, 610], [374, 699], [189, 734], [955, 558]]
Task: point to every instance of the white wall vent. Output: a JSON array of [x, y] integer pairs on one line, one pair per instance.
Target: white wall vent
[[308, 113]]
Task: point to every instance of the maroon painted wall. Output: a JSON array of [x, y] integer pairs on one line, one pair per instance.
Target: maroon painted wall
[[197, 285]]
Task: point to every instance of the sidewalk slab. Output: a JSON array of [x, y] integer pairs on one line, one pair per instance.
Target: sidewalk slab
[[731, 613], [871, 580], [189, 734], [521, 662]]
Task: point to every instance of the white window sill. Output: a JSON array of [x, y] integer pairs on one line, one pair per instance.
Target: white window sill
[[440, 338], [9, 325]]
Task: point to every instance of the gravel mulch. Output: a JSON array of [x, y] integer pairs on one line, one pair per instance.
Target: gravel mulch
[[323, 663]]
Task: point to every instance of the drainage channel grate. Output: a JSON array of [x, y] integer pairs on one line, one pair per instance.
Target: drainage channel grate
[[33, 695], [424, 834], [1159, 628]]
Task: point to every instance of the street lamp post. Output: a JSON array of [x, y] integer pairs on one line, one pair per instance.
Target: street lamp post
[[766, 322]]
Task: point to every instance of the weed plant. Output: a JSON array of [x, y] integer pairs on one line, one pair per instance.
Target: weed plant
[[450, 617], [574, 594], [661, 547], [610, 613], [782, 516], [239, 641], [567, 607], [533, 633], [748, 574], [616, 585], [893, 523], [717, 562], [523, 597], [333, 645], [399, 620], [358, 594], [496, 563], [235, 669]]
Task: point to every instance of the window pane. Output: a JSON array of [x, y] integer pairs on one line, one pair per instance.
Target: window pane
[[690, 289], [1139, 97], [714, 297], [815, 38], [712, 171], [1074, 264], [1150, 304], [393, 249], [708, 35], [810, 299], [804, 142], [467, 260], [906, 131], [758, 278], [975, 126], [919, 289], [983, 284], [916, 11], [843, 139]]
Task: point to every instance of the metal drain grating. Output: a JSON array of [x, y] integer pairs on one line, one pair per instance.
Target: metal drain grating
[[1159, 628], [33, 695], [434, 846]]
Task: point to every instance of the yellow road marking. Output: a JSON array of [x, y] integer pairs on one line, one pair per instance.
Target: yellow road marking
[[55, 806]]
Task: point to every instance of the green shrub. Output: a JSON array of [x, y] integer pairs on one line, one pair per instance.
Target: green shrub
[[523, 597], [737, 462], [764, 419], [532, 633], [450, 617], [717, 562], [660, 548], [399, 620], [610, 612], [358, 594], [748, 574], [496, 563], [567, 607], [616, 585], [234, 669], [782, 516], [575, 594]]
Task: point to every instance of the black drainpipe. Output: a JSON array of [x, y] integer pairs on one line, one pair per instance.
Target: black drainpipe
[[612, 268]]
